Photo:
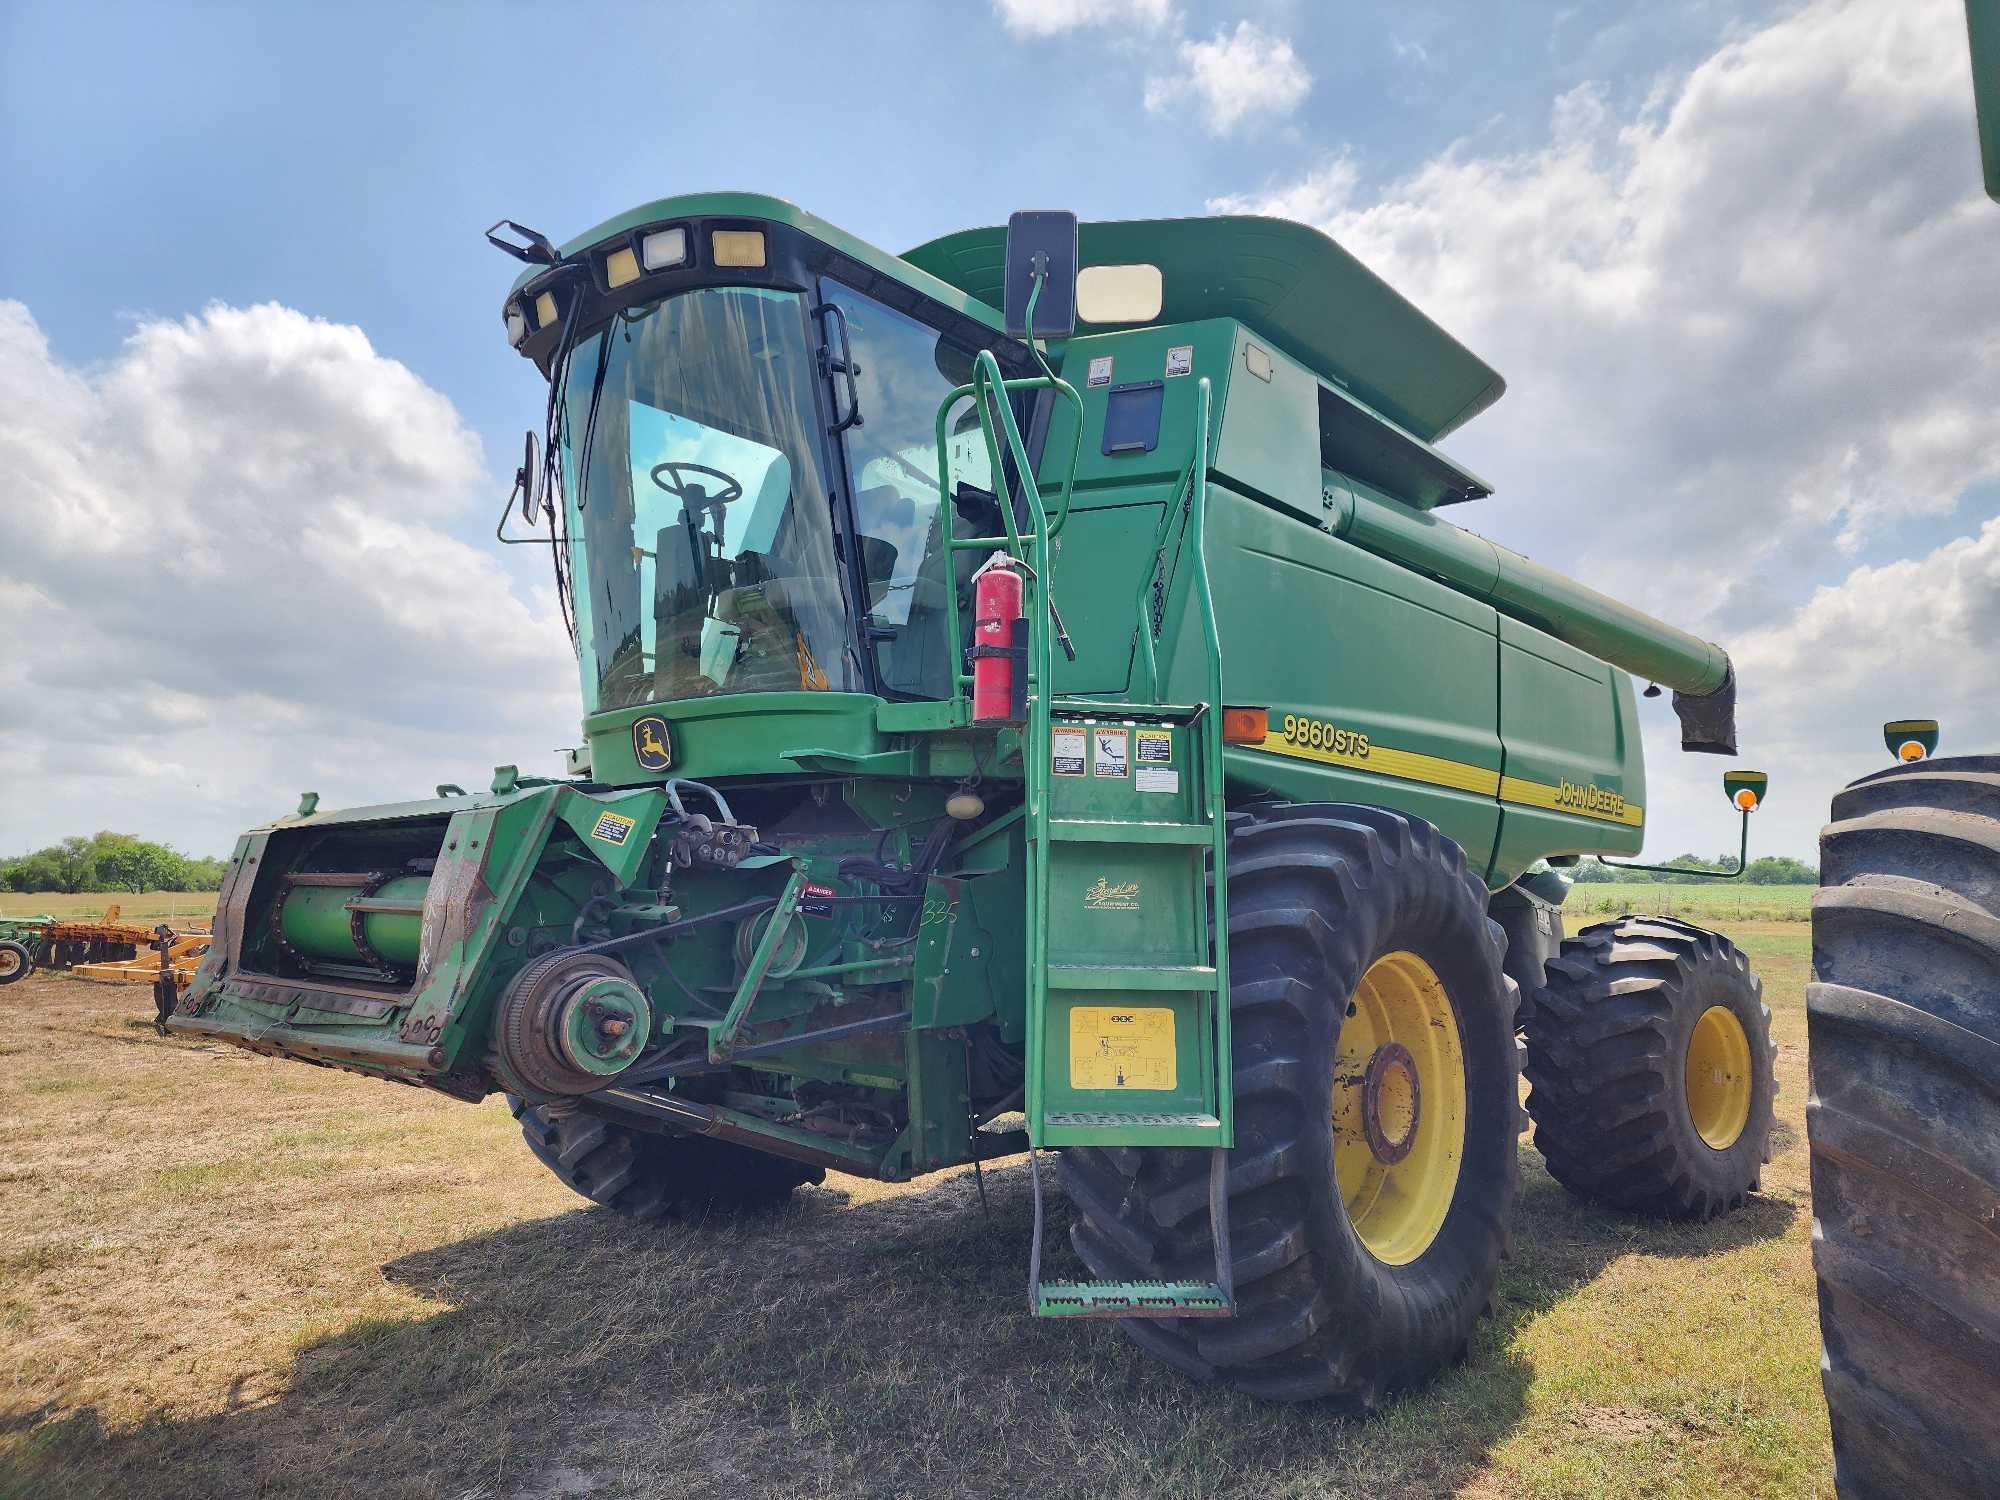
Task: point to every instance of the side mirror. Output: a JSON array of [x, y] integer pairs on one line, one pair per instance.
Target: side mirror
[[1911, 739], [1745, 789], [1041, 245], [528, 479]]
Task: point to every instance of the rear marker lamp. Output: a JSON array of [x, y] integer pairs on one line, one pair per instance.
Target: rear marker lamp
[[545, 310], [664, 249], [1911, 740], [1745, 789], [740, 248], [1245, 726], [621, 268], [517, 324]]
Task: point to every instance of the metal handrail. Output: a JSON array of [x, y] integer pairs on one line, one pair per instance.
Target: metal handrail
[[1212, 743]]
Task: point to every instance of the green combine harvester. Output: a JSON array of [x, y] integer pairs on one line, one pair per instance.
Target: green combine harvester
[[1033, 700], [1903, 1023]]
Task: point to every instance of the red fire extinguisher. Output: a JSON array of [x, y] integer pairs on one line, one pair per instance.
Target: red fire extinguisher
[[999, 648]]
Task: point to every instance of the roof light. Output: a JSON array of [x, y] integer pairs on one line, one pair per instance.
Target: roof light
[[1119, 294], [545, 310], [621, 268], [517, 324], [738, 247], [665, 248]]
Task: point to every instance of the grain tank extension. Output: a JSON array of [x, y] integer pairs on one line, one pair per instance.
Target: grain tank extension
[[966, 639]]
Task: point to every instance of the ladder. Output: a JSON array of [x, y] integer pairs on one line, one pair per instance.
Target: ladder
[[1127, 973]]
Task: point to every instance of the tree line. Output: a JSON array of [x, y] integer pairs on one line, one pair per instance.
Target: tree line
[[109, 862], [1772, 869]]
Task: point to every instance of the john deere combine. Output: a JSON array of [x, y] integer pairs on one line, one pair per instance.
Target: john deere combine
[[1033, 699]]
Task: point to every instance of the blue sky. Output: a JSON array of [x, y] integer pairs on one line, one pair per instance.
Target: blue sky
[[343, 160], [1727, 256]]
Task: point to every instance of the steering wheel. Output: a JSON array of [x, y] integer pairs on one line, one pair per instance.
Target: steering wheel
[[695, 496]]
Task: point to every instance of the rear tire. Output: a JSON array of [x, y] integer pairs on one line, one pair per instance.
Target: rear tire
[[1903, 1016], [1634, 1009], [1321, 896], [15, 961], [648, 1176]]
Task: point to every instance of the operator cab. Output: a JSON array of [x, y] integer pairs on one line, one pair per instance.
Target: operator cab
[[743, 422]]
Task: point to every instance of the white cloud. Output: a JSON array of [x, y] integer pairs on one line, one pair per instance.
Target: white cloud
[[1233, 77], [1909, 639], [1748, 332], [228, 579], [1045, 18]]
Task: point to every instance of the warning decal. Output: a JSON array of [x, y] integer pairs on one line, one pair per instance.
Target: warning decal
[[1110, 752], [1121, 1047], [1066, 758], [614, 828], [1100, 371], [1155, 747]]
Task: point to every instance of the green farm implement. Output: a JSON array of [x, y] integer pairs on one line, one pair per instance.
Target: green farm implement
[[1034, 702]]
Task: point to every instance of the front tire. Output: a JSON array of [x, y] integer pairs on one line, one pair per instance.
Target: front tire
[[1903, 1021], [1651, 1074], [648, 1176], [1351, 930]]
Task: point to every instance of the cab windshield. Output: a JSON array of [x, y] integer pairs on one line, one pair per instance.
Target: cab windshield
[[707, 552], [708, 562]]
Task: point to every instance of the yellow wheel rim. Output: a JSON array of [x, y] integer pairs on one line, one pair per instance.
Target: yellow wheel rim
[[1718, 1077], [1398, 1108]]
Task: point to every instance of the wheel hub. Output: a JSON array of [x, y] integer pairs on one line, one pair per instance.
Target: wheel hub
[[1391, 1097], [1717, 1078], [1399, 1108]]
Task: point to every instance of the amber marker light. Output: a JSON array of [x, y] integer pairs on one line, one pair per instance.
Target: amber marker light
[[737, 247], [1245, 726], [1747, 800], [1911, 750], [621, 268]]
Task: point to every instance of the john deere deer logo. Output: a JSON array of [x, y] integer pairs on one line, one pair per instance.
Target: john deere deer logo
[[652, 745], [1104, 896]]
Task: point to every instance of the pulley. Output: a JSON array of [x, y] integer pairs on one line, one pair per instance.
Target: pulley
[[568, 1024]]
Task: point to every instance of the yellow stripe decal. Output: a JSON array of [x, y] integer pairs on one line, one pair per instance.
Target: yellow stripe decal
[[1586, 800], [1356, 753], [1327, 745]]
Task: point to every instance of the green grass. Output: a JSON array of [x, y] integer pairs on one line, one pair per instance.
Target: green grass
[[153, 906], [211, 1285], [1712, 903]]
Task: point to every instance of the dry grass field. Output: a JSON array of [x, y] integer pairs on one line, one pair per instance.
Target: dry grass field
[[222, 1275]]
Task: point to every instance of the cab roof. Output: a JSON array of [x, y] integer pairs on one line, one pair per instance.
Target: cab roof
[[1288, 283]]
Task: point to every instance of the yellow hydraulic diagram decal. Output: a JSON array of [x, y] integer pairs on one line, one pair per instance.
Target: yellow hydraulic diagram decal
[[614, 828], [1121, 1047]]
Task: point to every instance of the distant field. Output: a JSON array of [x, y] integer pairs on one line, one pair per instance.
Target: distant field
[[1718, 901], [223, 1275], [151, 907]]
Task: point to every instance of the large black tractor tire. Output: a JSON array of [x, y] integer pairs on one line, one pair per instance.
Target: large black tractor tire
[[1333, 908], [1651, 1072], [648, 1176], [15, 961], [1903, 1017]]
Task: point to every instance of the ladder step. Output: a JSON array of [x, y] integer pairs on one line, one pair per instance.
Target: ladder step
[[1125, 977], [1102, 1119], [1109, 708], [1101, 831], [1132, 1299]]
